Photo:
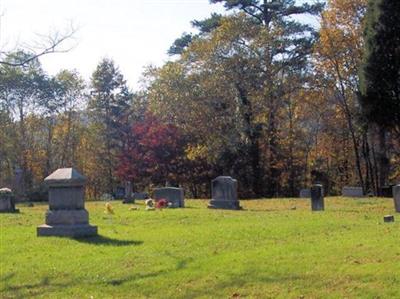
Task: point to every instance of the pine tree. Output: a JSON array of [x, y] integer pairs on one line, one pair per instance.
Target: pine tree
[[109, 108], [380, 73]]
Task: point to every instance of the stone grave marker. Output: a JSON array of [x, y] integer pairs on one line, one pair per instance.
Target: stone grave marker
[[173, 195], [128, 198], [352, 192], [305, 193], [66, 216], [396, 196], [317, 198], [18, 185], [386, 191], [388, 218], [7, 201], [224, 194]]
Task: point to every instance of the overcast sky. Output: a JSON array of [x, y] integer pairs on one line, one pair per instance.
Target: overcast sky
[[134, 33]]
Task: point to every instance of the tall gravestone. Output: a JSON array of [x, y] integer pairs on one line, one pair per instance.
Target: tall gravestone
[[224, 194], [396, 196], [173, 195], [128, 193], [317, 198], [66, 216], [18, 185]]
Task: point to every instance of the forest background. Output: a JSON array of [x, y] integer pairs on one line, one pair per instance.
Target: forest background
[[255, 93]]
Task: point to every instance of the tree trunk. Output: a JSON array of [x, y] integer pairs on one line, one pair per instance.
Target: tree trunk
[[384, 163]]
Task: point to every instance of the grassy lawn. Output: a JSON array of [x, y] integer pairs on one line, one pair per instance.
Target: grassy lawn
[[272, 249]]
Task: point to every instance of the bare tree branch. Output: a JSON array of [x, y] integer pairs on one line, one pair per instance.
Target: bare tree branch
[[49, 44]]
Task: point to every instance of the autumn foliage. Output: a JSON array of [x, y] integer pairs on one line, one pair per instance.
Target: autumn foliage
[[154, 150]]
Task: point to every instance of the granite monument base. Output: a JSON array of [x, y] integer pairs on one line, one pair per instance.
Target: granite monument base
[[224, 204], [73, 231]]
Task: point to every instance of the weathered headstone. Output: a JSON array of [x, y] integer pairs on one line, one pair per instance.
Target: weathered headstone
[[119, 192], [224, 194], [396, 196], [173, 195], [7, 201], [317, 198], [66, 216], [386, 191], [352, 192], [305, 193], [128, 193], [18, 185]]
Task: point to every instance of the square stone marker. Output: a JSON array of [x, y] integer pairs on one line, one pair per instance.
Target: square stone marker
[[352, 192], [224, 194], [305, 193], [66, 216], [7, 201], [171, 194]]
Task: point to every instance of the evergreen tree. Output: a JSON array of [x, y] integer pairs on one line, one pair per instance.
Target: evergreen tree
[[109, 109], [380, 74]]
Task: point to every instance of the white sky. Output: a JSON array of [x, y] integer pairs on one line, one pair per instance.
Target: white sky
[[134, 33]]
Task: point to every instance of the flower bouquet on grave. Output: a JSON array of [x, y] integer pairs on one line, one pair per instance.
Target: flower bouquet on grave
[[109, 210], [162, 203], [149, 204]]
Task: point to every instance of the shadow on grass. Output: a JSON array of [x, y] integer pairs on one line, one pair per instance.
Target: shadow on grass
[[28, 289], [101, 240], [135, 277], [239, 282]]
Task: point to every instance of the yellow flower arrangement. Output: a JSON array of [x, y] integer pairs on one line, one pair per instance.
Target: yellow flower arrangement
[[109, 209]]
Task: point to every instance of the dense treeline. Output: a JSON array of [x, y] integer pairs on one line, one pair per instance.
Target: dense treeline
[[255, 94]]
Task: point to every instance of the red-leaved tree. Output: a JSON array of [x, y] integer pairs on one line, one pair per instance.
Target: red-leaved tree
[[155, 152]]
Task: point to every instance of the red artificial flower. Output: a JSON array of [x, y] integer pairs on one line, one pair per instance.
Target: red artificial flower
[[161, 203]]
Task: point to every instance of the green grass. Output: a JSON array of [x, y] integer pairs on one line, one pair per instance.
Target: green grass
[[272, 249]]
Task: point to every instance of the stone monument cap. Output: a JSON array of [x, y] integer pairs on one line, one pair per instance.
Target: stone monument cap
[[65, 177], [224, 177], [5, 190]]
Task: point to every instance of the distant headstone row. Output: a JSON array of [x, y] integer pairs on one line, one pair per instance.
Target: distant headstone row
[[67, 215], [223, 188]]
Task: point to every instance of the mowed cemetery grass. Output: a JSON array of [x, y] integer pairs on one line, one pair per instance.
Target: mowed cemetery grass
[[272, 249]]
